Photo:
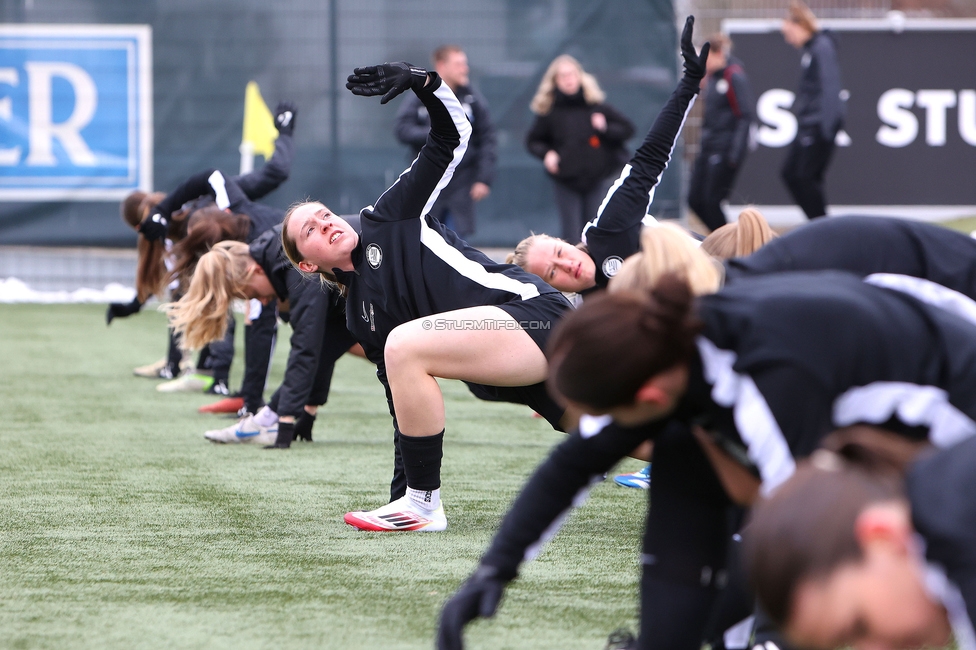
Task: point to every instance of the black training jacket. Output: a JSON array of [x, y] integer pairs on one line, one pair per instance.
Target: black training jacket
[[730, 111], [866, 245], [413, 124], [818, 100], [408, 265], [226, 194], [942, 493], [309, 304], [782, 360], [614, 234]]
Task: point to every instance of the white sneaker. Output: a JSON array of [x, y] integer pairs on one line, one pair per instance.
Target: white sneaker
[[161, 369], [158, 370], [401, 514], [244, 431]]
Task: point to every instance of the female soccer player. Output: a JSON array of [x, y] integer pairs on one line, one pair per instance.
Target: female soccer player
[[760, 372], [908, 255], [237, 271], [848, 556], [424, 304], [162, 222], [614, 234]]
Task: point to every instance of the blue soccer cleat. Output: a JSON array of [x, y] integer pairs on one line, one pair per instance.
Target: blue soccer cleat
[[639, 480]]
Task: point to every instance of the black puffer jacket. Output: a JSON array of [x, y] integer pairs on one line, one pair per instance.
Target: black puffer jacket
[[586, 156]]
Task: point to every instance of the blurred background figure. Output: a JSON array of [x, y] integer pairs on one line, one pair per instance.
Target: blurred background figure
[[818, 107], [580, 140], [474, 175], [730, 112]]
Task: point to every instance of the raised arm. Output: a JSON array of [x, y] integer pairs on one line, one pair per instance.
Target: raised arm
[[630, 196], [209, 182], [310, 306], [418, 187], [276, 170], [558, 485]]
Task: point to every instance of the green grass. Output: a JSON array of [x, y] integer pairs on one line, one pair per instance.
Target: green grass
[[120, 527]]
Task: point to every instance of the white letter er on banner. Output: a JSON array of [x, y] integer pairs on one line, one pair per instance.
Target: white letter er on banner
[[43, 130]]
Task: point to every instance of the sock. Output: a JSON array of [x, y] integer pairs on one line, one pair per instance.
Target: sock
[[428, 500], [422, 462], [265, 417]]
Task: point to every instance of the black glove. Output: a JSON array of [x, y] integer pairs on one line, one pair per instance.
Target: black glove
[[303, 426], [154, 227], [388, 79], [478, 597], [286, 433], [122, 309], [694, 64], [285, 117]]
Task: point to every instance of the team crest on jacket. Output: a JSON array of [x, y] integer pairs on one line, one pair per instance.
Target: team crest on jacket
[[611, 265], [374, 255]]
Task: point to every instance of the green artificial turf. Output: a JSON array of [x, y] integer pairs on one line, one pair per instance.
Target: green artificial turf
[[121, 527]]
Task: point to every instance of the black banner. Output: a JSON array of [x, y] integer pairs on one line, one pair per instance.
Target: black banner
[[911, 113]]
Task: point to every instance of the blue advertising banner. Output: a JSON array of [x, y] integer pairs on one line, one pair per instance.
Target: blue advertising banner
[[76, 119]]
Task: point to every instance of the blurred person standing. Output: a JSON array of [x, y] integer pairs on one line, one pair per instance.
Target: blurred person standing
[[580, 140], [730, 112], [819, 110], [476, 172]]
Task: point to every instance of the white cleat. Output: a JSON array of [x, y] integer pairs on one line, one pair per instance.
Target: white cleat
[[244, 431], [399, 515]]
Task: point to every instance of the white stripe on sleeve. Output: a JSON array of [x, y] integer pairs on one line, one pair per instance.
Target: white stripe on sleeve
[[913, 404], [470, 269], [754, 420], [218, 184], [626, 172]]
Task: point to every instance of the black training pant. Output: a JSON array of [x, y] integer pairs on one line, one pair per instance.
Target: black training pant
[[689, 524], [259, 343], [711, 183], [577, 208], [216, 357], [804, 169]]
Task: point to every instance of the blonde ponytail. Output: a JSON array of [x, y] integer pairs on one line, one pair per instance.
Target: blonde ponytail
[[744, 237], [666, 248], [221, 276]]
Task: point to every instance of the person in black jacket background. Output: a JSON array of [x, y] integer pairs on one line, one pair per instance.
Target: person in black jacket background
[[819, 110], [476, 171], [730, 111], [579, 139]]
